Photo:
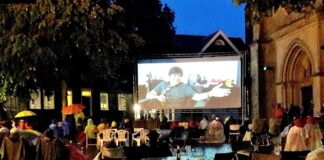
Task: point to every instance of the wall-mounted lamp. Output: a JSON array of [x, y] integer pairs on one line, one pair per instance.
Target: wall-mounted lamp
[[267, 68]]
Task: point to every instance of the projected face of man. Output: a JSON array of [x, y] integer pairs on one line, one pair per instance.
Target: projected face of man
[[174, 79], [175, 76]]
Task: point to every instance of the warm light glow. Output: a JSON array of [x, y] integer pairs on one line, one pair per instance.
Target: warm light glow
[[137, 107], [86, 93], [69, 97]]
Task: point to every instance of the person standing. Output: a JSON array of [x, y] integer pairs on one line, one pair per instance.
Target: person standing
[[296, 137], [313, 133]]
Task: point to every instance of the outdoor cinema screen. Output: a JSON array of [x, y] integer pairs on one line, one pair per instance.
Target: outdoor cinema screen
[[189, 83]]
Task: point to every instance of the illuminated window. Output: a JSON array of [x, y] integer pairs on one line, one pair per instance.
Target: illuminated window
[[104, 105], [35, 100], [49, 102], [122, 102], [86, 93], [219, 42], [69, 97]]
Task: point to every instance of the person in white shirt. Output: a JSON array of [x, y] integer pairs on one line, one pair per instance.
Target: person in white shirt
[[313, 133], [203, 124], [296, 137]]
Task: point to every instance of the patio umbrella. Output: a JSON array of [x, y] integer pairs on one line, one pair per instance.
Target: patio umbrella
[[25, 113], [72, 109]]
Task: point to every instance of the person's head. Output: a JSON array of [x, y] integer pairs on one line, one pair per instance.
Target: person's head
[[60, 124], [175, 75], [54, 121], [28, 124], [310, 120], [164, 119], [113, 124], [153, 135], [126, 120], [298, 121], [21, 124], [90, 122], [49, 133], [205, 118], [103, 120]]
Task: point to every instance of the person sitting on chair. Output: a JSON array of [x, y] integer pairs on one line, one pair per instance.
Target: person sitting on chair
[[215, 131]]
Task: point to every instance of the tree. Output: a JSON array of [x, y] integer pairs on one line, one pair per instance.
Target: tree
[[79, 42], [153, 22], [263, 8], [51, 42]]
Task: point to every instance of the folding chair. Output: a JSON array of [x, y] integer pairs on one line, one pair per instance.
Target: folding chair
[[140, 136], [106, 135], [122, 136], [90, 143]]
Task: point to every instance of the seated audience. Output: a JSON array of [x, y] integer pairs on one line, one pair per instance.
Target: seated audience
[[90, 129], [52, 148], [53, 125], [103, 125], [202, 127], [164, 123], [59, 131], [3, 127], [203, 124], [13, 146], [215, 132], [69, 127], [113, 125], [274, 127], [157, 149]]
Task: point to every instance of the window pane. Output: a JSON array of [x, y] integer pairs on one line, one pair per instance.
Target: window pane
[[122, 102], [104, 103], [35, 100], [69, 98], [86, 93], [49, 101]]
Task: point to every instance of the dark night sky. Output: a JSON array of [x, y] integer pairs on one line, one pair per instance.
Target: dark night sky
[[203, 17]]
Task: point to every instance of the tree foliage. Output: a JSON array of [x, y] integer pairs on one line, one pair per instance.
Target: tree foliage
[[76, 41], [152, 21], [263, 8]]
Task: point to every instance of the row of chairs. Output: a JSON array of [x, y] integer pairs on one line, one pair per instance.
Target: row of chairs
[[119, 136]]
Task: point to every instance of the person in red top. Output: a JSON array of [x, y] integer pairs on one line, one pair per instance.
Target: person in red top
[[279, 112]]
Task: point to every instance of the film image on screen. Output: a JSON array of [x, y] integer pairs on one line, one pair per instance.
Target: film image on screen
[[190, 83]]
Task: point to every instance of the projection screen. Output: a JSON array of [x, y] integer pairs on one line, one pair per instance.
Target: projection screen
[[189, 83]]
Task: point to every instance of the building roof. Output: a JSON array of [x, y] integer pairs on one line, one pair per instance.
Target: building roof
[[216, 42]]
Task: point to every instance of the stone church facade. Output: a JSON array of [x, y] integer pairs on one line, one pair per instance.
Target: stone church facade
[[286, 62]]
